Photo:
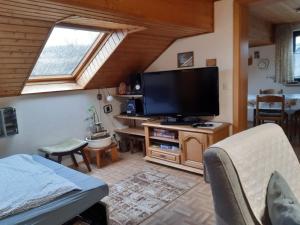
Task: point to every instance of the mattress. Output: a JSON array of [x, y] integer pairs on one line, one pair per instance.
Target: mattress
[[67, 206]]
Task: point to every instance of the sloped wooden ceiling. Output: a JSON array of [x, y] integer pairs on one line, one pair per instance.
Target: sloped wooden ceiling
[[277, 12], [265, 14], [25, 25]]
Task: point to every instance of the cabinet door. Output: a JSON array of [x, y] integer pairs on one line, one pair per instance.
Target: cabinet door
[[193, 146]]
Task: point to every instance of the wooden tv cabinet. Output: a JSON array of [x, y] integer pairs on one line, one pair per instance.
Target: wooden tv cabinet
[[188, 144]]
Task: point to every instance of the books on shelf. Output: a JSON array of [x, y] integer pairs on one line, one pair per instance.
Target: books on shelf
[[164, 133], [166, 147]]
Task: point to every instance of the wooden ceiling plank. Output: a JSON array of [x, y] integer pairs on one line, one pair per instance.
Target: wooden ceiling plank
[[24, 22], [276, 12], [20, 42], [14, 65], [68, 10], [30, 15], [173, 12], [133, 21], [15, 14], [22, 35], [21, 49], [13, 71], [27, 29], [9, 5], [18, 60], [12, 77]]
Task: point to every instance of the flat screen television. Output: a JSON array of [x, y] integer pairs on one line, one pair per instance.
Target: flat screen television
[[185, 93]]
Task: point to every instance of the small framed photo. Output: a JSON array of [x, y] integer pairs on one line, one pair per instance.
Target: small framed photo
[[256, 55], [185, 59]]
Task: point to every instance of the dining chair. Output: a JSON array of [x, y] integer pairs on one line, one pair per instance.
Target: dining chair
[[270, 92], [264, 92], [295, 123], [271, 115]]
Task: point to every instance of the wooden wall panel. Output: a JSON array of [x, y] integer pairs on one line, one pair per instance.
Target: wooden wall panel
[[261, 32], [134, 55], [189, 13], [20, 43], [103, 55]]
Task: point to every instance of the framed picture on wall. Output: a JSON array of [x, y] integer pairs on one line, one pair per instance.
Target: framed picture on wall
[[185, 59]]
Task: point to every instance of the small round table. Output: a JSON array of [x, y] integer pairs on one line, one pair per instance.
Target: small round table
[[112, 148]]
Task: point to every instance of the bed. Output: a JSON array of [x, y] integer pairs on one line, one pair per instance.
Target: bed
[[67, 206]]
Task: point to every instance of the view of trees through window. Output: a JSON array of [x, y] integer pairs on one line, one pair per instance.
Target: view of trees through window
[[64, 50]]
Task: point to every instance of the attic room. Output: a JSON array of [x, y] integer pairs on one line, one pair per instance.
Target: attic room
[[179, 112]]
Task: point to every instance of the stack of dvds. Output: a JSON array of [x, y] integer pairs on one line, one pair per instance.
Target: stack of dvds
[[164, 133]]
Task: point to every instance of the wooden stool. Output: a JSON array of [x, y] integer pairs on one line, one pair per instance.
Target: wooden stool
[[67, 148], [112, 148]]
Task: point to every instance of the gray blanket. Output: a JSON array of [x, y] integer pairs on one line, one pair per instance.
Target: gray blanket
[[26, 184]]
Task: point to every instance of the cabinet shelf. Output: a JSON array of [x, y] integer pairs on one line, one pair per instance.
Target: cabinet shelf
[[131, 131], [129, 96], [170, 152], [164, 139], [125, 117]]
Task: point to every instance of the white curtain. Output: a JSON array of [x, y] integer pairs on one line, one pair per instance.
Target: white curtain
[[284, 72]]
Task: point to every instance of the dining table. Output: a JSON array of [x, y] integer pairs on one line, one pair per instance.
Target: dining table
[[291, 101]]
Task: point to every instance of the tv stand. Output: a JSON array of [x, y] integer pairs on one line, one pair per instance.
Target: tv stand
[[181, 146], [180, 120]]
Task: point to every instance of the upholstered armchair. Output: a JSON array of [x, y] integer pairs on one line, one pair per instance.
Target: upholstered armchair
[[239, 170]]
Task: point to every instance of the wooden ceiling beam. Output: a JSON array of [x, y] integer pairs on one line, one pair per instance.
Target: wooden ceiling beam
[[190, 13]]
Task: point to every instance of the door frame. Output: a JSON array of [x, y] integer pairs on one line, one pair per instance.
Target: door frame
[[240, 62], [240, 65]]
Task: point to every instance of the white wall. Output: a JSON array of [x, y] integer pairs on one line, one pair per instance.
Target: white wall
[[263, 79], [46, 119], [217, 45]]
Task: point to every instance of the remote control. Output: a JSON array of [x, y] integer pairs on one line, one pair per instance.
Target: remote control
[[202, 125]]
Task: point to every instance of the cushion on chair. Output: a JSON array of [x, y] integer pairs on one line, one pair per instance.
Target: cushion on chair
[[66, 146], [269, 114], [283, 206]]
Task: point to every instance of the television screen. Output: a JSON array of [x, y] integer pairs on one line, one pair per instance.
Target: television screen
[[191, 92]]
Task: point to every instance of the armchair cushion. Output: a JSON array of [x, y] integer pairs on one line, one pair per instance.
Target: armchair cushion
[[283, 206]]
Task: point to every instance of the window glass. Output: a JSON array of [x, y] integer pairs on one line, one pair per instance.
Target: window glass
[[297, 55], [64, 51]]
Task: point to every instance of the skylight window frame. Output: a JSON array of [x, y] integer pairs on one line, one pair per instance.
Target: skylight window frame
[[64, 77]]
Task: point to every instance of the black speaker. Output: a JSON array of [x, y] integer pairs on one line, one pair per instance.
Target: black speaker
[[134, 107], [135, 84]]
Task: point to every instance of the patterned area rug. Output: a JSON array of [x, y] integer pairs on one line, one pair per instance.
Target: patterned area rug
[[133, 200]]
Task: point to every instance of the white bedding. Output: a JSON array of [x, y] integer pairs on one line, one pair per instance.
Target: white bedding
[[26, 184]]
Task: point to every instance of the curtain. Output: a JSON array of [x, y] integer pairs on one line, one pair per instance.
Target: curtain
[[284, 59]]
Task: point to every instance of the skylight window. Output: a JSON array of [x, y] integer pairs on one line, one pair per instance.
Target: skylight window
[[64, 51]]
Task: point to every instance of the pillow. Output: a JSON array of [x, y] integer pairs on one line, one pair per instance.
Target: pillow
[[283, 207]]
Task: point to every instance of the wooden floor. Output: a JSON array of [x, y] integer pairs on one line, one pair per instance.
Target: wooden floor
[[195, 207]]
